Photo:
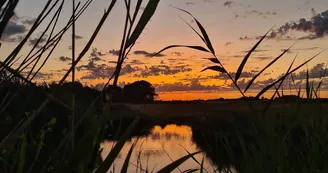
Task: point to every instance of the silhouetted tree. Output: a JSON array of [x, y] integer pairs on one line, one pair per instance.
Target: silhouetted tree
[[116, 93], [139, 92]]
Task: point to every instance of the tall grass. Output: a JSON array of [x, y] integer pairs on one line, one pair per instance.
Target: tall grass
[[78, 149]]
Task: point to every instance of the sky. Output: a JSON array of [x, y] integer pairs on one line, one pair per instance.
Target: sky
[[233, 27]]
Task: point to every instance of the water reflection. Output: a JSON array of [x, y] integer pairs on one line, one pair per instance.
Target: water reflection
[[159, 148]]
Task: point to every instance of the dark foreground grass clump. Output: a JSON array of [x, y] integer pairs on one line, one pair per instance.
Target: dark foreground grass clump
[[295, 140]]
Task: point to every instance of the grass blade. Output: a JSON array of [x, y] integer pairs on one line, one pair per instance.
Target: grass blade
[[144, 19], [214, 60], [242, 64], [283, 77], [190, 170], [258, 74], [127, 160], [215, 68], [200, 48], [205, 37], [307, 85], [22, 154], [202, 166], [117, 148], [175, 164]]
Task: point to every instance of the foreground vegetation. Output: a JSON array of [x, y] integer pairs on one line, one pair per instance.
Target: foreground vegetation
[[62, 128]]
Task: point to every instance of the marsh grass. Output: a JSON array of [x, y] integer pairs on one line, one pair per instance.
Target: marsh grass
[[26, 148]]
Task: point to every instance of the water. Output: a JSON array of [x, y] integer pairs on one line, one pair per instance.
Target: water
[[158, 148]]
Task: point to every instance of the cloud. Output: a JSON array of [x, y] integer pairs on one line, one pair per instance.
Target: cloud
[[16, 27], [228, 4], [261, 13], [301, 49], [112, 62], [136, 62], [78, 37], [316, 71], [102, 71], [96, 55], [194, 85], [114, 52], [190, 3], [255, 51], [245, 38], [262, 58], [159, 70], [316, 27], [96, 52], [33, 41], [64, 58], [13, 32], [44, 76], [177, 53], [228, 43], [147, 54], [40, 75], [29, 21], [96, 58], [223, 76]]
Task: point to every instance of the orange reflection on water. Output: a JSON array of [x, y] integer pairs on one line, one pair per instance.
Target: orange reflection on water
[[158, 148]]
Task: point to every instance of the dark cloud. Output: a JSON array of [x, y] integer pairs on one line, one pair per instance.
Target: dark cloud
[[194, 85], [33, 41], [245, 38], [316, 27], [64, 58], [28, 21], [13, 32], [147, 54], [44, 76], [315, 72], [223, 76], [301, 49], [40, 75], [96, 55], [78, 37], [16, 27], [136, 62], [190, 3], [255, 51], [103, 71], [177, 53], [96, 58], [228, 4], [96, 52], [261, 13], [114, 52], [228, 43], [159, 70], [262, 58]]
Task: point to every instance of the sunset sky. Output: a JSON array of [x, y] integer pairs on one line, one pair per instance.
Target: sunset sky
[[233, 27]]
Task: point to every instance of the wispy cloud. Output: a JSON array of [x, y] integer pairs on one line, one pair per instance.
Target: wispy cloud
[[114, 52], [228, 43], [228, 4], [159, 70], [64, 59], [147, 54]]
